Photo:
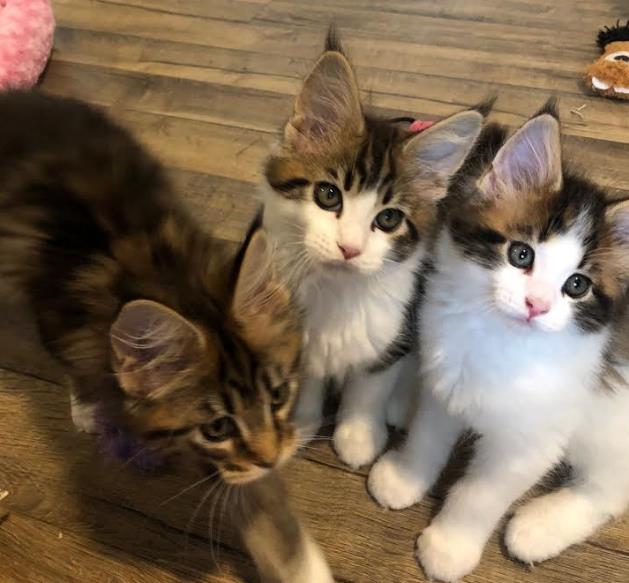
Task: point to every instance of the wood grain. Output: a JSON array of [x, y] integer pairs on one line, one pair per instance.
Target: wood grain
[[206, 84]]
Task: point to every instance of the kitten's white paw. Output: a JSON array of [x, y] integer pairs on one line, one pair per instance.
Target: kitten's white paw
[[446, 554], [358, 441], [547, 525], [83, 415], [392, 483]]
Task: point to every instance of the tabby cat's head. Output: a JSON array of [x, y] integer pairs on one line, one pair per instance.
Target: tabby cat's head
[[531, 240], [352, 192], [217, 392]]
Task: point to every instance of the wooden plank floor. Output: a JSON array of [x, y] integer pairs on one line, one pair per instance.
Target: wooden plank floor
[[206, 84]]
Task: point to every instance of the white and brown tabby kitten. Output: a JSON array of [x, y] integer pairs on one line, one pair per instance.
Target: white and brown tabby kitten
[[190, 353], [352, 200], [524, 334]]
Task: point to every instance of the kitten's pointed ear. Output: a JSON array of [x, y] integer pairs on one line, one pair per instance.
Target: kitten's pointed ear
[[327, 111], [262, 304], [154, 349], [443, 147], [529, 161], [617, 217]]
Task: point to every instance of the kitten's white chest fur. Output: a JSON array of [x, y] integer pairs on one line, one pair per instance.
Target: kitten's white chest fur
[[486, 367], [351, 319]]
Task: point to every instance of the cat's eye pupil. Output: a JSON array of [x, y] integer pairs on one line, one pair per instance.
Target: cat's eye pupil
[[327, 196], [521, 255], [219, 429], [624, 58], [388, 219], [577, 285], [279, 395]]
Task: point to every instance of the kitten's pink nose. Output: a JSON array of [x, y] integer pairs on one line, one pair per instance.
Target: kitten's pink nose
[[348, 251], [537, 306]]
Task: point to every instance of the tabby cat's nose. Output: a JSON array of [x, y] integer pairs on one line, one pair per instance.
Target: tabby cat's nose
[[348, 251]]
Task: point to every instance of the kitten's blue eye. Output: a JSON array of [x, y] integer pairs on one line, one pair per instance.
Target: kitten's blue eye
[[577, 286], [388, 219], [521, 255], [220, 429], [328, 196]]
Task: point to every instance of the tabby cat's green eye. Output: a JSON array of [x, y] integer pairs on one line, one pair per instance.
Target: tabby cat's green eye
[[388, 220], [521, 255], [279, 395], [577, 286], [220, 429], [328, 196]]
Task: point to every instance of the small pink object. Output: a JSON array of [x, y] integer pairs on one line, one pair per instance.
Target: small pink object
[[26, 34], [420, 125]]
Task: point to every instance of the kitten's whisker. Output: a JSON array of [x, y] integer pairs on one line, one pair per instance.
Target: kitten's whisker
[[187, 489]]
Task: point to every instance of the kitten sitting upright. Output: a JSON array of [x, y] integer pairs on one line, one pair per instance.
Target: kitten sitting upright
[[161, 333], [524, 337], [352, 200]]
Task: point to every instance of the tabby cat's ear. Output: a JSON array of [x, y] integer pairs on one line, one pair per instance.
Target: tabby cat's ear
[[442, 149], [154, 349], [327, 111], [261, 303], [529, 162]]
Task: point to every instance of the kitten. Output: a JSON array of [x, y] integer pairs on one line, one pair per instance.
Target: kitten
[[525, 339], [351, 201], [161, 333]]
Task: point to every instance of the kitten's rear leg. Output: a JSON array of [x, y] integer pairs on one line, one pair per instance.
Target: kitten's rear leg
[[361, 431], [599, 455], [83, 412]]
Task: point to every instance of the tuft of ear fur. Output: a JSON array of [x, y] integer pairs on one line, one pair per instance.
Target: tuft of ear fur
[[261, 304], [529, 162], [441, 149], [154, 348], [327, 111]]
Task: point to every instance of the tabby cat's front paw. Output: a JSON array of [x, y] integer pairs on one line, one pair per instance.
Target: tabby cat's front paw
[[83, 415], [358, 441], [393, 484], [447, 554]]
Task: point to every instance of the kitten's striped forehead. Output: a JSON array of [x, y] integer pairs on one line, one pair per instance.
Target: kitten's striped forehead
[[363, 166]]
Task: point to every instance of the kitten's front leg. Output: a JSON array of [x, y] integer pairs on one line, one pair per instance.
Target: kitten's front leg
[[402, 478], [282, 549], [83, 412], [308, 414], [503, 469], [361, 430]]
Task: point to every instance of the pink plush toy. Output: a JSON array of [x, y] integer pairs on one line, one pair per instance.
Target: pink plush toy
[[26, 34]]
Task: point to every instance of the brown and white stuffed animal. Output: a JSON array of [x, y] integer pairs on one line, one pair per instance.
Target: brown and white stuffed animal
[[609, 75]]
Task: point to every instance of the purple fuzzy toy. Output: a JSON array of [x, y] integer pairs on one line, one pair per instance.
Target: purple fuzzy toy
[[118, 444]]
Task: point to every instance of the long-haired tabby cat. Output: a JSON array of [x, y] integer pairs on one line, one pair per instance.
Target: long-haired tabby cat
[[525, 339], [160, 332], [352, 199]]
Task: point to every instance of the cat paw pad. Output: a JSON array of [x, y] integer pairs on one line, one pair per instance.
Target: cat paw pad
[[358, 442], [83, 416], [546, 526], [446, 555], [392, 484]]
